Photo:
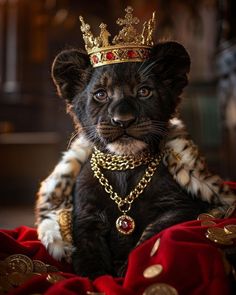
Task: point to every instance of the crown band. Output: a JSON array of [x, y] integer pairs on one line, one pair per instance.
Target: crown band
[[118, 54], [128, 45]]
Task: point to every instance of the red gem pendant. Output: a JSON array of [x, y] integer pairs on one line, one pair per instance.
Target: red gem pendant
[[125, 224]]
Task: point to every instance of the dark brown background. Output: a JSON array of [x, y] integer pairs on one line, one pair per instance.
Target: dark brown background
[[34, 128]]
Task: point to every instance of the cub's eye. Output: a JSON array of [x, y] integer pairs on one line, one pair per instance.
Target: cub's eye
[[144, 92], [100, 95]]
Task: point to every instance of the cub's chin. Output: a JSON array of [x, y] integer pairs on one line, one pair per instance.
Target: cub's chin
[[126, 145]]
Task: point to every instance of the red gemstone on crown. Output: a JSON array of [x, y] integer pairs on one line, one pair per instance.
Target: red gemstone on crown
[[95, 59], [132, 54], [110, 56], [125, 224]]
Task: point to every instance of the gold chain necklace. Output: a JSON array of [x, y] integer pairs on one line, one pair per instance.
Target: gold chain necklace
[[124, 224], [116, 162]]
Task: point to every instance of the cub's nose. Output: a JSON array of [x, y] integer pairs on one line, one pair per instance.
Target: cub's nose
[[123, 121]]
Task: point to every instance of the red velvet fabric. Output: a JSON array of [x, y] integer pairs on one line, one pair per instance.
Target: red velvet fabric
[[191, 263]]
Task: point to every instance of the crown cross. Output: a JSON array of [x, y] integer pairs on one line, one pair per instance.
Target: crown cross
[[129, 19], [128, 45], [128, 34]]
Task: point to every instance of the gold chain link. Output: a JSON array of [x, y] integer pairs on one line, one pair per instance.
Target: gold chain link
[[104, 160], [116, 162]]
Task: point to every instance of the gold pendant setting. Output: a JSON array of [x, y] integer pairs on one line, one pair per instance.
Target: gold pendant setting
[[125, 224]]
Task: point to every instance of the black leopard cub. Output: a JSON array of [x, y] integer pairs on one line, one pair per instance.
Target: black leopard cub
[[124, 193]]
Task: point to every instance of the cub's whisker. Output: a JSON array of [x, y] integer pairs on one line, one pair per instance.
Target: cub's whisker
[[72, 138]]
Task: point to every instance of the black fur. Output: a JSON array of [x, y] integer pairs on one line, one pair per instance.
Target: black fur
[[100, 249]]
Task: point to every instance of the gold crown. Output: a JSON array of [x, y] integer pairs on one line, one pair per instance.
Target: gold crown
[[127, 46]]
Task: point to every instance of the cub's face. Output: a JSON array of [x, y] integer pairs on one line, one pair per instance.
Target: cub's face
[[123, 108]]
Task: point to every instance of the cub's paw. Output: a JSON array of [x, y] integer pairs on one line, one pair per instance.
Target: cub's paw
[[50, 236]]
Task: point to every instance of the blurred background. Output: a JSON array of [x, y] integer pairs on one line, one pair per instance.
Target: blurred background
[[34, 127]]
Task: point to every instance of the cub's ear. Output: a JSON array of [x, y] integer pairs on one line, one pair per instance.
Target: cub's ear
[[172, 63], [70, 72]]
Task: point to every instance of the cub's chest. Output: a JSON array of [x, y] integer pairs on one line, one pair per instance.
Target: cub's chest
[[89, 187], [100, 191]]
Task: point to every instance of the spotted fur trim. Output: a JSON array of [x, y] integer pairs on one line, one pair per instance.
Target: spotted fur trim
[[182, 159], [190, 170], [54, 196]]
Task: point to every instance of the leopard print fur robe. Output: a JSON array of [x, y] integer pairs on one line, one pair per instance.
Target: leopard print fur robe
[[54, 202]]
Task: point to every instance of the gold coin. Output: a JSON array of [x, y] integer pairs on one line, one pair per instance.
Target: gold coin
[[230, 229], [208, 223], [19, 263], [217, 231], [51, 268], [160, 289], [152, 271], [230, 210], [217, 213], [218, 235], [205, 216], [39, 266], [219, 240], [54, 278], [155, 247], [16, 279]]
